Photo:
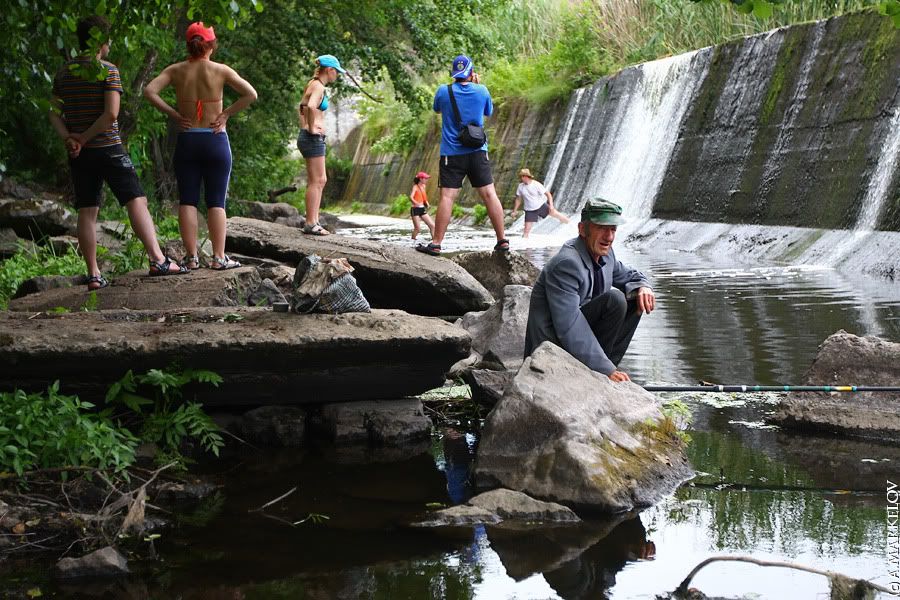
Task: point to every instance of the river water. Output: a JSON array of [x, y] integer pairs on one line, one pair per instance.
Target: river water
[[774, 495]]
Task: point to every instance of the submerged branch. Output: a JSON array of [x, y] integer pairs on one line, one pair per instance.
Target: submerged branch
[[682, 589]]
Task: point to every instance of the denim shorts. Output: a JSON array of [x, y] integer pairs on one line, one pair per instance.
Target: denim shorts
[[311, 145]]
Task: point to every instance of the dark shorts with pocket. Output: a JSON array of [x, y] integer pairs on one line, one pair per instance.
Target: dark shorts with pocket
[[533, 216], [111, 164], [418, 211], [474, 165], [311, 145]]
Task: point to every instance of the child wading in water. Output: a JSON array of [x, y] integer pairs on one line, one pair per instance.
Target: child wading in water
[[419, 210]]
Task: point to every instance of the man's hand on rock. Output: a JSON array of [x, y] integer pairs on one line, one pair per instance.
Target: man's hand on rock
[[646, 301], [619, 376]]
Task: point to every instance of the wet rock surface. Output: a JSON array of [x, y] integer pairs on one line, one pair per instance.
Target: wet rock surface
[[847, 359], [106, 562], [562, 432], [496, 270], [264, 357], [389, 276], [510, 505]]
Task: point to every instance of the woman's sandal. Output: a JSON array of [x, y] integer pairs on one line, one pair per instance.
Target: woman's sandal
[[96, 282], [502, 246], [163, 268], [221, 264], [430, 249], [191, 263], [315, 229]]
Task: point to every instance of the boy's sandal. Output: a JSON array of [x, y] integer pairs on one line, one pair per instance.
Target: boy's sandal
[[164, 267], [191, 262], [431, 249], [220, 264], [96, 282], [502, 246], [315, 229]]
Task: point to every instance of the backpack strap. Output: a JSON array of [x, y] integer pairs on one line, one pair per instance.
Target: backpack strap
[[455, 107]]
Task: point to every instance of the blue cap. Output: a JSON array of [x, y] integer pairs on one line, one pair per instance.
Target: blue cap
[[461, 67], [327, 60]]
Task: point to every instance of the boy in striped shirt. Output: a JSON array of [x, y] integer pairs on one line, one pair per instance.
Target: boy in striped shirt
[[84, 116]]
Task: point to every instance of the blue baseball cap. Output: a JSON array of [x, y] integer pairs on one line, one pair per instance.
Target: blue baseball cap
[[461, 67], [327, 60]]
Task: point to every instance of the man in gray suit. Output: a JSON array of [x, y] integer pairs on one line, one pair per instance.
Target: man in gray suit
[[586, 301]]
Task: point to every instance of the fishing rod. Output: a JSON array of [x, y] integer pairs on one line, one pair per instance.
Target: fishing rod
[[770, 388]]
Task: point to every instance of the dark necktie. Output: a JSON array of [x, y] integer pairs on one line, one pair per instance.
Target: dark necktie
[[598, 278]]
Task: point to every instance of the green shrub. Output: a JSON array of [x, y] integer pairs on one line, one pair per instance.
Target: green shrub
[[480, 212], [457, 212], [356, 207], [169, 421], [44, 431], [400, 205], [31, 262]]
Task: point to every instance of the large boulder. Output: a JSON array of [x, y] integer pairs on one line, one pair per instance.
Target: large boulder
[[563, 432], [389, 276], [847, 359], [36, 218], [274, 426], [487, 385], [264, 357], [498, 333], [496, 270]]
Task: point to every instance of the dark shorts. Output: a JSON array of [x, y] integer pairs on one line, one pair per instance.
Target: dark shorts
[[111, 164], [474, 165], [418, 211], [311, 145], [533, 216], [202, 156]]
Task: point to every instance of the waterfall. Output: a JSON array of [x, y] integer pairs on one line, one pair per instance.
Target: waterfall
[[563, 141], [619, 136], [631, 165], [878, 192]]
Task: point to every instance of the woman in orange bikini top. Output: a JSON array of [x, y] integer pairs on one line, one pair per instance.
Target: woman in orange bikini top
[[202, 153]]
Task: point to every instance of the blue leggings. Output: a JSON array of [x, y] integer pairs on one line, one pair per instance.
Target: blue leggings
[[202, 156]]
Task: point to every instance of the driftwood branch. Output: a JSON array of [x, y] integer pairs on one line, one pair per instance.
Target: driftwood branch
[[271, 502], [275, 193], [682, 589]]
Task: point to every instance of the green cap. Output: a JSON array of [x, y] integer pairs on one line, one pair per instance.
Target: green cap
[[602, 212]]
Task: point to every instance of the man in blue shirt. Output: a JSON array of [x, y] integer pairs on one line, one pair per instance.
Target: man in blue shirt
[[459, 161]]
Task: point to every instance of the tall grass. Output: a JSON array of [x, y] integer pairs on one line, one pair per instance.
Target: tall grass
[[596, 37]]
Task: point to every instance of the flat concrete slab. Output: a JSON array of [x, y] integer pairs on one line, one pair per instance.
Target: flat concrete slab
[[264, 357]]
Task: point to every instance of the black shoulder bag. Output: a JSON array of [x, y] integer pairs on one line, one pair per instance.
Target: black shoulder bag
[[471, 135]]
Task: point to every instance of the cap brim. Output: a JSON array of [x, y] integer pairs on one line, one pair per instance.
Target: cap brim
[[341, 69]]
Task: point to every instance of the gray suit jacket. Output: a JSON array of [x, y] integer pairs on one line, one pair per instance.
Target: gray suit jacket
[[563, 287]]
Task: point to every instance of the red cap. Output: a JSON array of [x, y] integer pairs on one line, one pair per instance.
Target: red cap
[[423, 175], [198, 29]]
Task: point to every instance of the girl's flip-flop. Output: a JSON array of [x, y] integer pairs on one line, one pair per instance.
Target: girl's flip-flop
[[96, 282], [164, 267]]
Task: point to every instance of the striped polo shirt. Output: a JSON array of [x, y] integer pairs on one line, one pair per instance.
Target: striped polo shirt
[[82, 100]]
